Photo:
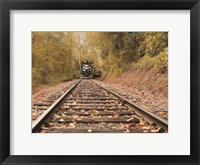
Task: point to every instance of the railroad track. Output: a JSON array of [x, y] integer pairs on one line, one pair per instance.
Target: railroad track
[[39, 107], [89, 107]]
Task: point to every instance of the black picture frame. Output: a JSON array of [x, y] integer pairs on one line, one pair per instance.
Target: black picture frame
[[7, 5]]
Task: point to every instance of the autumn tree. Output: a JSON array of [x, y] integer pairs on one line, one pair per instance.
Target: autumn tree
[[56, 56]]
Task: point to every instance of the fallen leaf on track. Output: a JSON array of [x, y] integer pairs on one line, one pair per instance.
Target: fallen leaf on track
[[142, 122], [64, 116], [129, 119], [75, 116], [72, 125], [89, 130], [56, 116]]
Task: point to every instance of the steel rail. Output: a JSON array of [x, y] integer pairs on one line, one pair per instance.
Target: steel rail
[[55, 106], [149, 116]]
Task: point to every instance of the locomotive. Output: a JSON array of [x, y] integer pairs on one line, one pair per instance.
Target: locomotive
[[88, 70]]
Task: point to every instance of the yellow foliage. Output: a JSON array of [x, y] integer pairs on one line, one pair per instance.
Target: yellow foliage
[[159, 62], [56, 56]]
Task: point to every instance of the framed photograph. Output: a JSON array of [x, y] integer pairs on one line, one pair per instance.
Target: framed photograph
[[112, 82]]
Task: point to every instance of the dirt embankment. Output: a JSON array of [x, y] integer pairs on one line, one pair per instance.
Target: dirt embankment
[[149, 86]]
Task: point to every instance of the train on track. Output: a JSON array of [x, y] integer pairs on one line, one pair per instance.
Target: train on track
[[88, 71]]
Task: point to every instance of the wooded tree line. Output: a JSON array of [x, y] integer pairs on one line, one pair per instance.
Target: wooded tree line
[[56, 56]]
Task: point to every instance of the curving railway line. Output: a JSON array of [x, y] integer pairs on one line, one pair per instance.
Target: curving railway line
[[88, 107]]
